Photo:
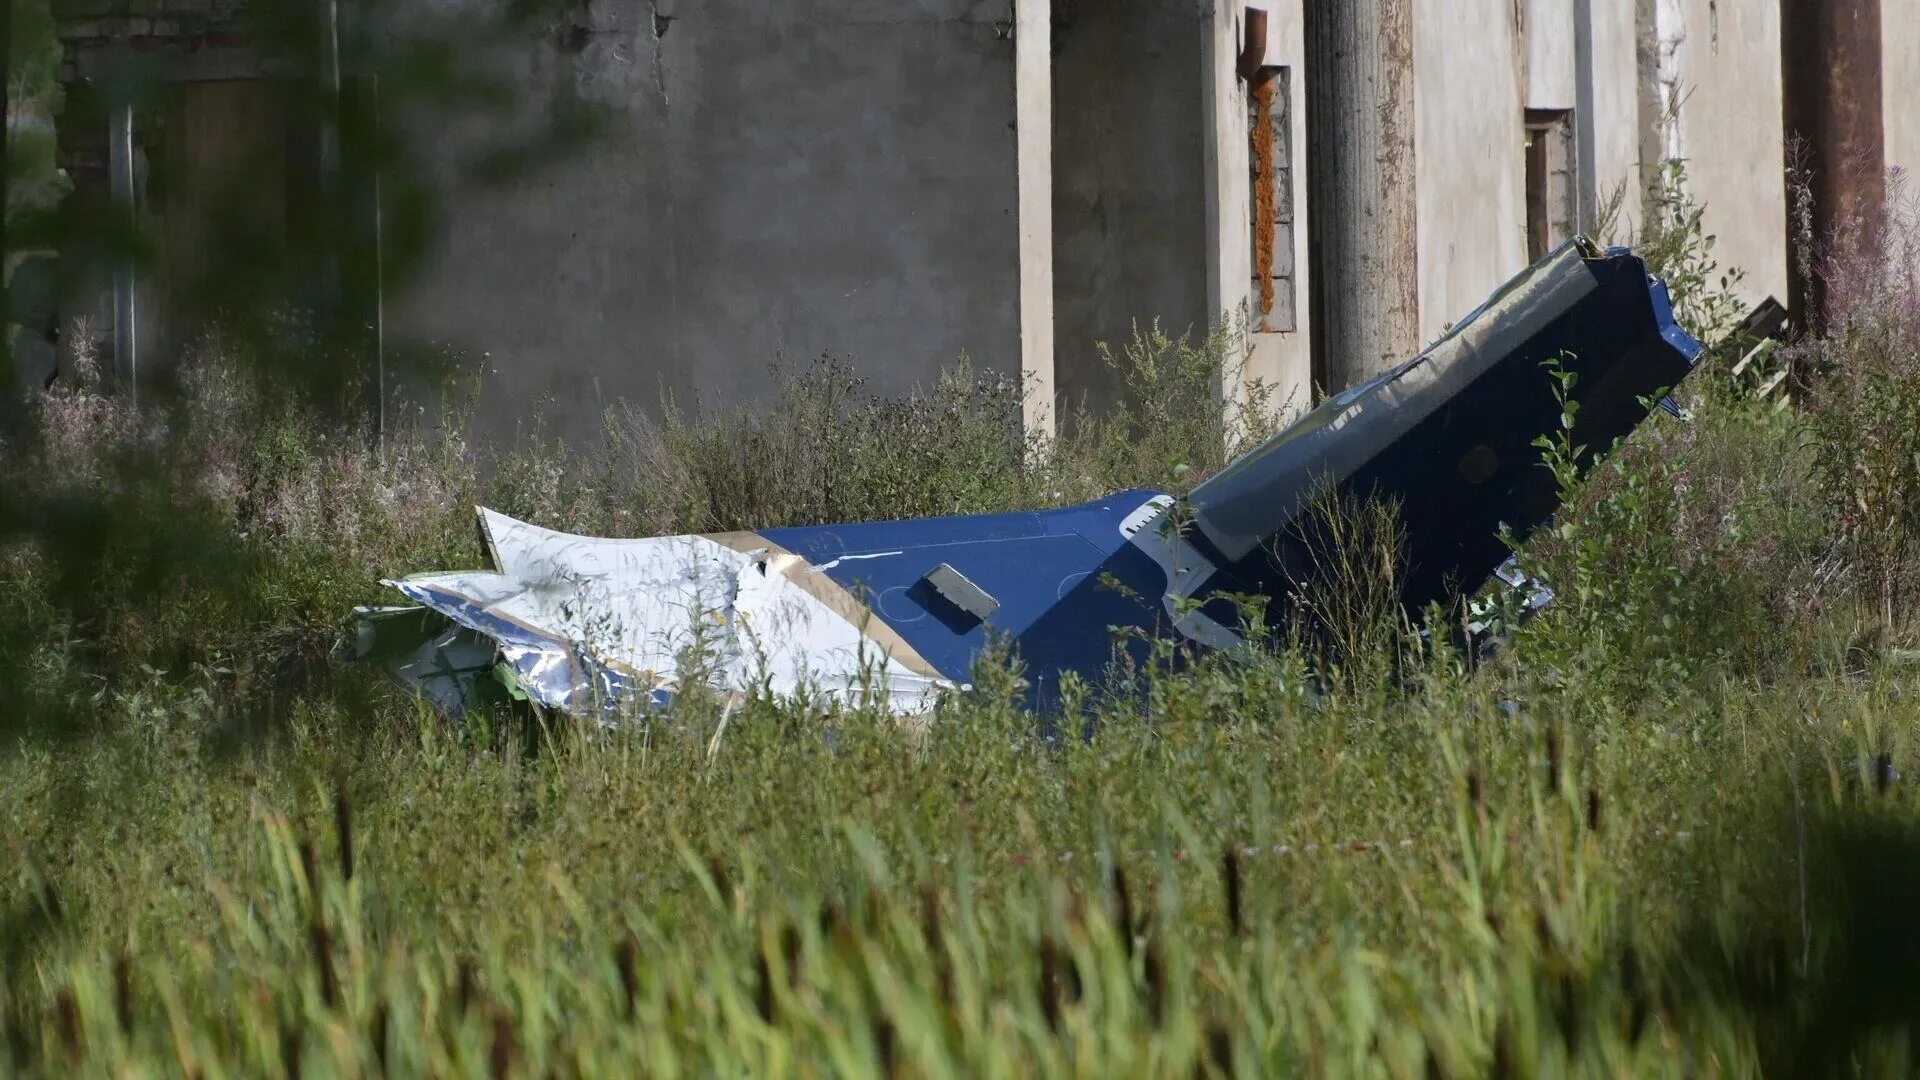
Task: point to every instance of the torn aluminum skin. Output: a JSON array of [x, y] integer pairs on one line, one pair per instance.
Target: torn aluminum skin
[[585, 625], [901, 610]]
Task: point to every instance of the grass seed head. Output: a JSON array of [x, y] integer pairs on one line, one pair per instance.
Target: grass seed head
[[790, 953], [1155, 979], [626, 960], [310, 866], [343, 824], [1220, 1047], [67, 1006], [466, 984], [292, 1048], [717, 873], [1049, 989], [123, 992], [382, 1022], [763, 985], [1230, 877], [320, 940], [1123, 923], [504, 1048]]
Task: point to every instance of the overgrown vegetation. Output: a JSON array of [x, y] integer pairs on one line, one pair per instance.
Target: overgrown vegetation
[[1670, 829]]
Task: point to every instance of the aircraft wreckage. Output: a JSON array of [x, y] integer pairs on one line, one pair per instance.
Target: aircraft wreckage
[[902, 609]]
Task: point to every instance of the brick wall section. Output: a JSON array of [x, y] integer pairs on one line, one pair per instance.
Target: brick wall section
[[202, 39]]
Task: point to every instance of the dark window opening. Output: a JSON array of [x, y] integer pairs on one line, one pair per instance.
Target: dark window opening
[[1551, 180]]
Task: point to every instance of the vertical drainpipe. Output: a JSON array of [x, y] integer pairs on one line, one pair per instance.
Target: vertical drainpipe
[[332, 187], [6, 135], [1033, 124], [379, 284], [1830, 65], [126, 308]]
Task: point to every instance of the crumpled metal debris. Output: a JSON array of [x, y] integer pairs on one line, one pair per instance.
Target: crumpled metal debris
[[900, 611]]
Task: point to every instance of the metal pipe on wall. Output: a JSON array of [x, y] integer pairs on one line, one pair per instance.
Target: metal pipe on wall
[[1830, 57], [378, 241], [332, 164], [6, 136], [126, 301]]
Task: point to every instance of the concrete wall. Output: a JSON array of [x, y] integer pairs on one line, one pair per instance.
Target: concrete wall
[[1468, 155], [904, 181], [1727, 53], [1551, 45], [783, 179], [1129, 194], [1900, 84]]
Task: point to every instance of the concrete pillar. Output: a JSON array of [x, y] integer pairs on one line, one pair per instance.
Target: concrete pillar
[[1284, 361], [1585, 123], [1224, 108], [1223, 104], [1361, 196], [1033, 119], [1830, 58]]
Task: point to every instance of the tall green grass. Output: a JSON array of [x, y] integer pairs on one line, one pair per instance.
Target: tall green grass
[[1669, 829], [1389, 881]]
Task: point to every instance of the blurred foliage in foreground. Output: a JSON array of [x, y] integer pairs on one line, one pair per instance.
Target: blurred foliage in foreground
[[1672, 829]]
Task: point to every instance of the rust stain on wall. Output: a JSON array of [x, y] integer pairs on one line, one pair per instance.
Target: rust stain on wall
[[1264, 215]]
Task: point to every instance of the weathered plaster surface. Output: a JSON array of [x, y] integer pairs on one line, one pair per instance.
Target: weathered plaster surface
[[1468, 143], [782, 179], [1608, 116], [1550, 54], [1129, 198], [1726, 60], [1900, 84]]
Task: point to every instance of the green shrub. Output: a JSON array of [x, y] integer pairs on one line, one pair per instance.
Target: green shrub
[[823, 449], [1699, 547], [1861, 382]]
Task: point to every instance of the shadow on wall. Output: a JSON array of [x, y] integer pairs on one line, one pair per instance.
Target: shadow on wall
[[1129, 186]]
